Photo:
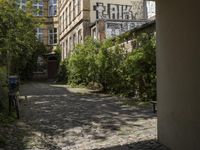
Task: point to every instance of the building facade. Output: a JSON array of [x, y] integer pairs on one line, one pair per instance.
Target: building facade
[[74, 19], [100, 19], [69, 22], [47, 32], [47, 10]]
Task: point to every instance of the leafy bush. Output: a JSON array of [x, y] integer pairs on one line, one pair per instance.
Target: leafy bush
[[120, 72], [19, 47], [3, 90], [63, 71], [141, 68], [82, 66]]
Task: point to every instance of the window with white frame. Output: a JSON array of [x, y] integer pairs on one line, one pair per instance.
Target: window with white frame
[[38, 8], [21, 4], [39, 34], [52, 7], [52, 36]]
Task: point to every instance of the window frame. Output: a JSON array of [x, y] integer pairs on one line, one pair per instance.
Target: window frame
[[52, 36], [52, 8], [38, 5], [40, 34]]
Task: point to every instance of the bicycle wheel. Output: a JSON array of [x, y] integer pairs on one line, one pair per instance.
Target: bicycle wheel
[[17, 106]]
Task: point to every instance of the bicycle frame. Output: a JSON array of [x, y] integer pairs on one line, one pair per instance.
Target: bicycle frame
[[14, 102], [13, 85]]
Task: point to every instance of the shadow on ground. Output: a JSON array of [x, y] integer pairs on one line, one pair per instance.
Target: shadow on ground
[[56, 117], [141, 145]]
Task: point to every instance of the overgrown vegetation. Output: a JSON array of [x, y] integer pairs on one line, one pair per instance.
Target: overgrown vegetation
[[19, 47], [111, 66], [3, 90]]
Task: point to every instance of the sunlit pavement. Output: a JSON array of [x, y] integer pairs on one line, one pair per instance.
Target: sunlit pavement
[[55, 117]]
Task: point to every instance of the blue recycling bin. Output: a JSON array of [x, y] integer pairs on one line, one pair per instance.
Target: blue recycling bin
[[13, 83]]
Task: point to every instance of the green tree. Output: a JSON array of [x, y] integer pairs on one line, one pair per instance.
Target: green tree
[[18, 43]]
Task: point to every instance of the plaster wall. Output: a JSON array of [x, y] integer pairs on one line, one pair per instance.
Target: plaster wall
[[178, 61], [116, 9]]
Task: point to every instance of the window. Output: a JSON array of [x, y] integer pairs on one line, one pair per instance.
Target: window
[[70, 43], [60, 24], [53, 36], [52, 7], [39, 34], [21, 4], [63, 51], [79, 36], [66, 17], [74, 40], [63, 21], [79, 6], [38, 8], [70, 7], [66, 48], [94, 33], [74, 9]]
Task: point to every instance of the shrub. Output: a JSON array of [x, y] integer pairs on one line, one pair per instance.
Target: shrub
[[3, 90], [141, 68], [82, 66], [129, 74], [63, 71]]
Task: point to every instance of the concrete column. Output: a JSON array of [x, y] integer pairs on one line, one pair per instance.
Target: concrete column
[[178, 69]]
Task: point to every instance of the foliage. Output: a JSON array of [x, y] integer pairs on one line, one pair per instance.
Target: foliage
[[118, 71], [58, 52], [82, 66], [140, 68], [109, 60], [3, 90], [19, 46], [63, 72]]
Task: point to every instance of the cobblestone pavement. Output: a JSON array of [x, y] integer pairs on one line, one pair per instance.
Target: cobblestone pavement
[[58, 118]]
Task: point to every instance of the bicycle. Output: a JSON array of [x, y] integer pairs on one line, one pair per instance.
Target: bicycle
[[13, 94]]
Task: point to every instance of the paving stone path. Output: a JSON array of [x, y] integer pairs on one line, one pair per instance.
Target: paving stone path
[[59, 118]]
